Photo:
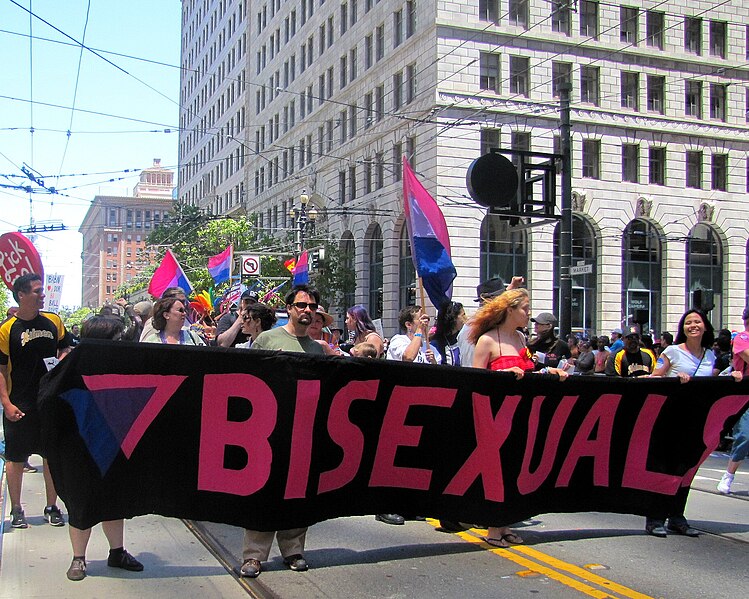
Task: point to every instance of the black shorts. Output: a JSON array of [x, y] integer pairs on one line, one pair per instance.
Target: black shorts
[[23, 437]]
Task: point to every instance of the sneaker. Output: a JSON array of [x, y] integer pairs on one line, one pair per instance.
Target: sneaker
[[53, 515], [296, 562], [18, 518], [29, 468], [250, 568], [77, 570], [122, 559], [724, 486]]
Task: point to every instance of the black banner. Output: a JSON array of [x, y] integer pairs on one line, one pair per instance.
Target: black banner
[[270, 440]]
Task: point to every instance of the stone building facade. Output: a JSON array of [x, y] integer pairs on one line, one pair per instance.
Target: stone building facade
[[335, 93]]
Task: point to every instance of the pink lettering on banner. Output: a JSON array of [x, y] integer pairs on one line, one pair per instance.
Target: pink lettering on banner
[[18, 257], [485, 462], [600, 417], [528, 481], [716, 418], [395, 433], [217, 432], [345, 434], [636, 474], [307, 398]]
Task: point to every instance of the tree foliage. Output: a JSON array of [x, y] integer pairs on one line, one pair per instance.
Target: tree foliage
[[194, 236], [77, 317], [5, 302]]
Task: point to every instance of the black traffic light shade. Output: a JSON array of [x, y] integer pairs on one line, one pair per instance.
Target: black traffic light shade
[[492, 181]]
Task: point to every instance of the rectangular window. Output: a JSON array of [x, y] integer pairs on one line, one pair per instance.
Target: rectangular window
[[330, 82], [329, 126], [344, 71], [589, 85], [560, 16], [519, 75], [630, 90], [693, 98], [518, 13], [561, 72], [656, 93], [354, 13], [397, 90], [588, 18], [489, 71], [489, 10], [718, 101], [397, 162], [352, 63], [693, 35], [380, 42], [657, 166], [397, 28], [718, 39], [380, 102], [410, 18], [330, 31], [367, 51], [341, 187], [720, 172], [694, 170], [368, 176], [344, 17], [353, 114], [489, 140], [368, 110], [592, 158], [380, 169], [628, 25], [343, 125], [352, 182], [654, 25], [631, 163], [410, 83]]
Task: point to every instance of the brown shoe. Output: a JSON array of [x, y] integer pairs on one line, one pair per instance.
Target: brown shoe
[[250, 568], [77, 570]]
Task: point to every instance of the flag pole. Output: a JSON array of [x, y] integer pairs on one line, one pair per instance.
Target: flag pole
[[422, 297]]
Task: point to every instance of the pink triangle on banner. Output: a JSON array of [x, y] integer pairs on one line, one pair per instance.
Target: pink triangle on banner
[[130, 403]]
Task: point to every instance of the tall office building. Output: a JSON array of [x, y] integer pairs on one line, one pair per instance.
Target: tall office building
[[336, 92]]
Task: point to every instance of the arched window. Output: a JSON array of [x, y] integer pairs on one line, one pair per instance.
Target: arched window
[[705, 272], [348, 258], [585, 283], [504, 251], [406, 271], [641, 275], [376, 260]]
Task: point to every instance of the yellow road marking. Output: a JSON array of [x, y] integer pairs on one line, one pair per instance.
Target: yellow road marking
[[547, 565]]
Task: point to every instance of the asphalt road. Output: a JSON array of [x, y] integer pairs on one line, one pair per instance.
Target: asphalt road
[[565, 555]]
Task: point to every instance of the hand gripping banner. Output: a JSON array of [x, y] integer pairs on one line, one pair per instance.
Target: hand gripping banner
[[269, 440]]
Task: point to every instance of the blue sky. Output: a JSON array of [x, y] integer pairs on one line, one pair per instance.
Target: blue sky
[[101, 147]]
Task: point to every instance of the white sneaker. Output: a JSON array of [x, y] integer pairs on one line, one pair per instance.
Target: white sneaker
[[724, 486]]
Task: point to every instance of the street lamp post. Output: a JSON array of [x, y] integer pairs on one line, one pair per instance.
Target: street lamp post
[[304, 218]]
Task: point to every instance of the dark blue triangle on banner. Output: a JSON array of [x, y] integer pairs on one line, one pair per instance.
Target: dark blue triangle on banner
[[93, 428], [120, 408]]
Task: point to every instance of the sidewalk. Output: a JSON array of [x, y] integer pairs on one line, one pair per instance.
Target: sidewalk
[[33, 561]]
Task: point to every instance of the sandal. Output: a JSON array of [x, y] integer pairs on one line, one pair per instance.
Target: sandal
[[501, 542], [514, 539]]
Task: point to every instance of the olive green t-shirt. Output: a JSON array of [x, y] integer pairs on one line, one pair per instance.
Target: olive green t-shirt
[[280, 339]]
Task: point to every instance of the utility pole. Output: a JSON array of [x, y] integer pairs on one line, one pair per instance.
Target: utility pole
[[565, 237]]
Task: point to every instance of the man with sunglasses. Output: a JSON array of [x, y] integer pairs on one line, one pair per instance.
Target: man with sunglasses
[[301, 304]]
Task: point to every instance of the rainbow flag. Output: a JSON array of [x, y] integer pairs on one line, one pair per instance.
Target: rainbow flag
[[430, 241], [219, 266], [169, 274]]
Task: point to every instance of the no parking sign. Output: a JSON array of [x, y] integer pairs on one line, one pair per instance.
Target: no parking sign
[[251, 265]]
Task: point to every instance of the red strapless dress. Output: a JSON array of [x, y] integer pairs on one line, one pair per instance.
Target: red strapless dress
[[521, 360]]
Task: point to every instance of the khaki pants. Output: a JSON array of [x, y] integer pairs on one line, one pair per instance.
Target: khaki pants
[[257, 543]]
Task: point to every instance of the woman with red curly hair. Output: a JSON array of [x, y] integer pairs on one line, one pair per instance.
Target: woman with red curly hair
[[501, 346]]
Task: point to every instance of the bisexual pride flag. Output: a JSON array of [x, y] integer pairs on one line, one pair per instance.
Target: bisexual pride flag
[[219, 266], [169, 274], [430, 241], [301, 269]]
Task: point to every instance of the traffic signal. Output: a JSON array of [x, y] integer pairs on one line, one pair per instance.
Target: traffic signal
[[317, 260]]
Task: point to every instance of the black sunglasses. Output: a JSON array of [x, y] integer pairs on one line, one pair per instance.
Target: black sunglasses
[[303, 305]]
